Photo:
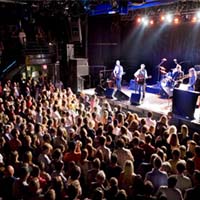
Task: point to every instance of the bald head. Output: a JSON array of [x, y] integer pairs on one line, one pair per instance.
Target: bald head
[[10, 170]]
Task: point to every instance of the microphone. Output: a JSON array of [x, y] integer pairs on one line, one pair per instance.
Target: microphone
[[175, 60], [164, 59]]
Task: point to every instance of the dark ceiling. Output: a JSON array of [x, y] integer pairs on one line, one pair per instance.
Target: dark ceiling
[[97, 7]]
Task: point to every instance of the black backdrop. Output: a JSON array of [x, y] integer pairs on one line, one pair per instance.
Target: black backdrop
[[109, 39]]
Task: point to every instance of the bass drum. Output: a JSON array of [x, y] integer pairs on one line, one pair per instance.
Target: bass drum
[[167, 86]]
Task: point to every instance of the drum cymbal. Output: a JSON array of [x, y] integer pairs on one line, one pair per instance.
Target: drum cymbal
[[163, 72], [162, 68]]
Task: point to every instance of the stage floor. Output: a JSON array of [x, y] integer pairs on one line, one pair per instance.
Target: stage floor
[[152, 102]]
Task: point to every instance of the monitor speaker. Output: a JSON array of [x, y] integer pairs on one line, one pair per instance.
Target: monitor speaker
[[109, 93], [135, 98], [184, 103], [121, 96], [100, 91]]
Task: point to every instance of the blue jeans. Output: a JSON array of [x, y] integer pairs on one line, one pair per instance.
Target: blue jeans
[[141, 90], [118, 83]]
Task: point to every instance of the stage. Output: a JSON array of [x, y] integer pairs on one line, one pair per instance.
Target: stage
[[154, 103]]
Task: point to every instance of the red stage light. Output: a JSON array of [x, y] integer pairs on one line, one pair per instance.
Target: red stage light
[[176, 20], [151, 22]]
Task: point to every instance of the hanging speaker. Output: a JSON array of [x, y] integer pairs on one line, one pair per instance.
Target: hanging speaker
[[121, 96]]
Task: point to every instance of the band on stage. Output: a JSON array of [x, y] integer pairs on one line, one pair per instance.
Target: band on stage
[[168, 80]]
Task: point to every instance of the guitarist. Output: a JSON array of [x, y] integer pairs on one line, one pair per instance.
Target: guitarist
[[118, 73], [141, 76], [177, 75]]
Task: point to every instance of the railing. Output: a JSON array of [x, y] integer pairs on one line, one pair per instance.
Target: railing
[[7, 69]]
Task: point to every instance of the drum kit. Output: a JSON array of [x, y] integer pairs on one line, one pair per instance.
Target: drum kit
[[167, 83]]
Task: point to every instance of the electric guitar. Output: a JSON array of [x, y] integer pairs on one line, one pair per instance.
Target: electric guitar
[[140, 78], [116, 76]]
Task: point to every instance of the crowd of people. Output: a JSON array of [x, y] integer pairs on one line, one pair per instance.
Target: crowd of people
[[56, 145]]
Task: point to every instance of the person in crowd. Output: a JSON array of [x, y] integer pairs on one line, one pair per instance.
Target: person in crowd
[[183, 182], [194, 192], [156, 176], [196, 157], [129, 181], [31, 137], [170, 191], [117, 74], [123, 153], [6, 183]]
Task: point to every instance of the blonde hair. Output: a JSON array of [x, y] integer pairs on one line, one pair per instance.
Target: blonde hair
[[128, 169]]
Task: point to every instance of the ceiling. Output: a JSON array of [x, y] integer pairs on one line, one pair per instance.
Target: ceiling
[[98, 7]]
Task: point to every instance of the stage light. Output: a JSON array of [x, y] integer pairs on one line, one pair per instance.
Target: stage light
[[44, 67], [162, 18], [194, 19], [169, 18], [139, 20], [176, 20], [145, 21], [151, 22], [198, 14]]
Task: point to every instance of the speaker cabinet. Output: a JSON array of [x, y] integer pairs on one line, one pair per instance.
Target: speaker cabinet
[[109, 93], [78, 68], [184, 103], [121, 96], [100, 91], [135, 99]]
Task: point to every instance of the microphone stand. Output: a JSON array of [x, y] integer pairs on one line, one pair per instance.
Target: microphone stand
[[158, 66]]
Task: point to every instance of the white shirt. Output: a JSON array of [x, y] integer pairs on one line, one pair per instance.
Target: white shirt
[[171, 193], [118, 71]]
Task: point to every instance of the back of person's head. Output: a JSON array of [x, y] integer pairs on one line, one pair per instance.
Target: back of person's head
[[197, 150], [176, 153], [101, 177], [72, 146], [148, 188], [114, 158], [113, 181], [180, 167], [120, 143], [96, 163], [59, 165], [157, 162], [149, 114], [24, 172], [197, 177], [35, 172], [161, 154], [56, 154], [162, 197], [99, 130], [148, 138], [128, 167], [75, 172], [102, 140], [166, 166], [72, 192], [34, 185], [172, 180], [144, 129], [121, 195], [190, 165], [50, 195], [136, 141], [98, 194]]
